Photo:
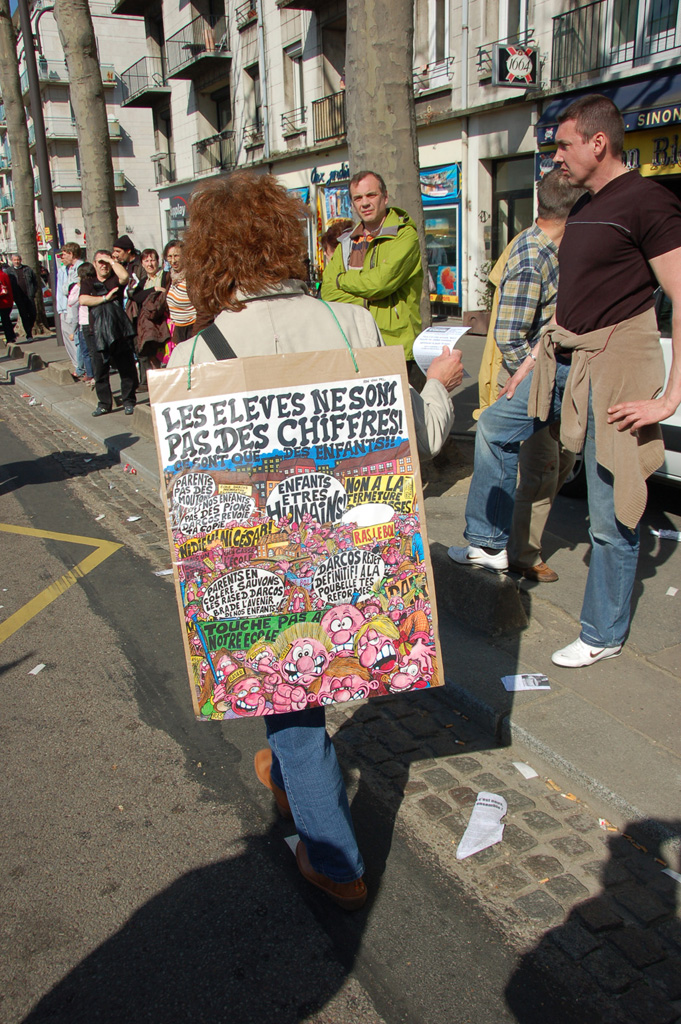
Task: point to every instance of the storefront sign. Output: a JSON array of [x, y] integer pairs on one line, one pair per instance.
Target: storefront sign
[[514, 66], [440, 185], [634, 120], [652, 118], [318, 177], [654, 153]]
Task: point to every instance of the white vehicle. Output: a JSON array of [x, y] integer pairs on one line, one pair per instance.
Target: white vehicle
[[671, 430]]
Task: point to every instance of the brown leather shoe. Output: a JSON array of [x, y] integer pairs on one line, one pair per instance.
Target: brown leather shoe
[[539, 573], [348, 895], [263, 763]]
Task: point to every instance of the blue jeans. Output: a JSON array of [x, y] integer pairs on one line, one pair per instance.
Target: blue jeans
[[489, 510], [84, 361], [304, 764]]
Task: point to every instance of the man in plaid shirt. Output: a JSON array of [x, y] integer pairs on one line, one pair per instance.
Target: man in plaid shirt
[[526, 303]]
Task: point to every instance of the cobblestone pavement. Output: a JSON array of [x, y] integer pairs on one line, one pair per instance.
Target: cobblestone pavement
[[578, 898]]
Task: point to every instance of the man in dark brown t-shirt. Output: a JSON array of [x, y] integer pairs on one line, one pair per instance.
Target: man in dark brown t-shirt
[[621, 240]]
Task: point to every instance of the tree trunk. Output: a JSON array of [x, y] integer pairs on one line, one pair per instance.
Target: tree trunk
[[89, 108], [22, 172], [379, 105]]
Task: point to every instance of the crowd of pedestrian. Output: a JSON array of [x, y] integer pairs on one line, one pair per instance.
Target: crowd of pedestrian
[[126, 310], [573, 364]]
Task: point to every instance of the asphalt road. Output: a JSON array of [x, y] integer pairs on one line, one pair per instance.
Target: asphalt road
[[144, 874]]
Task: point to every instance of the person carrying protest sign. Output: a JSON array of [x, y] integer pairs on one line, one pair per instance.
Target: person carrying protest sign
[[249, 227]]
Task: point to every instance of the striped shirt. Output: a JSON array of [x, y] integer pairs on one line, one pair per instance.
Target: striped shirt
[[182, 313], [527, 295]]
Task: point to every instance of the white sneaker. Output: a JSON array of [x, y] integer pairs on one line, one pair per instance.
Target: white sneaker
[[578, 654], [471, 555]]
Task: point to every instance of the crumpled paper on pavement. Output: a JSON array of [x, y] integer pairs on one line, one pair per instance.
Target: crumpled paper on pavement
[[484, 826]]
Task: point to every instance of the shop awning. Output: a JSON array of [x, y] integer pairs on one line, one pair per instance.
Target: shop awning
[[633, 98]]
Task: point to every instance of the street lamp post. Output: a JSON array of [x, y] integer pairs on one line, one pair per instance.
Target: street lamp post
[[47, 199]]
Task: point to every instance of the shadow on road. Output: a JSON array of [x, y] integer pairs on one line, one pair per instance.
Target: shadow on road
[[624, 943]]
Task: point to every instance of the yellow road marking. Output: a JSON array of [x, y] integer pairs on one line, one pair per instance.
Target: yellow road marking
[[103, 549]]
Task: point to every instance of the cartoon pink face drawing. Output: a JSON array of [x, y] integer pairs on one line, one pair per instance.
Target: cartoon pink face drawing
[[376, 646], [341, 623], [396, 608], [351, 687], [304, 662], [247, 697], [407, 677]]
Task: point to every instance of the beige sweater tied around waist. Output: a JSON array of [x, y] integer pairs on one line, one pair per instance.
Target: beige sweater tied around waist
[[623, 363]]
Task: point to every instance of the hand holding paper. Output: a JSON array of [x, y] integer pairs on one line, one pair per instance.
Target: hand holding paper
[[428, 345], [447, 368]]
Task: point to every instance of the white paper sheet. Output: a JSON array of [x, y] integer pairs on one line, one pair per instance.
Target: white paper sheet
[[666, 534], [526, 681], [484, 826], [525, 770], [292, 842], [672, 592], [429, 343]]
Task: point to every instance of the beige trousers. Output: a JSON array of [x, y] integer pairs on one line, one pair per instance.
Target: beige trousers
[[543, 467]]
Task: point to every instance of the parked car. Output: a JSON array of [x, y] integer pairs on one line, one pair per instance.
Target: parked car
[[49, 306], [670, 470]]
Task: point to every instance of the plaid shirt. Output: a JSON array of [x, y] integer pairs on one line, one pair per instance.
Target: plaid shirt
[[527, 295]]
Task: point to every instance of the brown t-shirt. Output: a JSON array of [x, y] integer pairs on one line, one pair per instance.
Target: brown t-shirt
[[609, 237]]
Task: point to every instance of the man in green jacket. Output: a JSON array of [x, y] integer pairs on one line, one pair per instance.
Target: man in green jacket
[[378, 264]]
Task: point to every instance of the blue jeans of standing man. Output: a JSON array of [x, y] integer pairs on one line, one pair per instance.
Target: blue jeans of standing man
[[489, 510], [304, 763]]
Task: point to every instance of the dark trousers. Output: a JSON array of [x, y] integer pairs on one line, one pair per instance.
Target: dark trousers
[[8, 326], [27, 313], [122, 356]]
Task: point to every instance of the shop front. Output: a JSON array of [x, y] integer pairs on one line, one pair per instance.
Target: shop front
[[441, 198]]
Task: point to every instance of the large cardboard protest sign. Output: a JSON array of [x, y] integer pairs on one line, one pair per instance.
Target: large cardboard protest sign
[[295, 518]]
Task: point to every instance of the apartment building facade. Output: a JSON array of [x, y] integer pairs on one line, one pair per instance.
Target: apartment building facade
[[130, 132], [227, 83]]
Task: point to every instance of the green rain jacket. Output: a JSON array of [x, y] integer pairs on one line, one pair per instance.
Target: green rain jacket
[[389, 284]]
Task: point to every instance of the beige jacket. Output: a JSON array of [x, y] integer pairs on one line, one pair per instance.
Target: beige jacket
[[288, 319], [623, 363]]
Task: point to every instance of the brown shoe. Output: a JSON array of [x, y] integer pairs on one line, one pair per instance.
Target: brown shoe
[[263, 764], [348, 895], [539, 573]]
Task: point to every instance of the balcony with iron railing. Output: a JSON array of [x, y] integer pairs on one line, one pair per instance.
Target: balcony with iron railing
[[55, 72], [3, 117], [7, 202], [57, 128], [612, 33], [328, 117], [197, 46], [164, 168], [143, 82], [434, 76], [5, 162], [294, 122], [253, 135], [245, 15], [216, 153], [70, 181], [37, 191]]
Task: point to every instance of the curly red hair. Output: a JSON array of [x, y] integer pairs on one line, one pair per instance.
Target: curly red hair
[[245, 233]]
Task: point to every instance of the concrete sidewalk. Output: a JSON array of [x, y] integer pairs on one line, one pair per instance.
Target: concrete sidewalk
[[613, 728]]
